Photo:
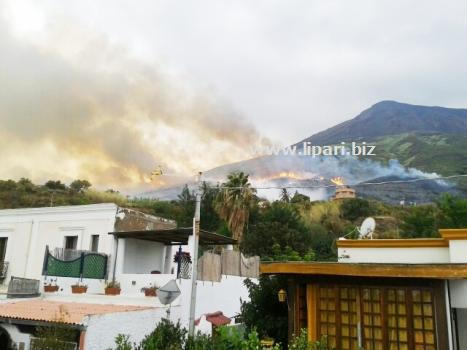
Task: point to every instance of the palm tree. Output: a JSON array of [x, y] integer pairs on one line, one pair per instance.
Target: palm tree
[[234, 201]]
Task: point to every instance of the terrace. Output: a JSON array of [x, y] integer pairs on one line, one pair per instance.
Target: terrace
[[141, 259]]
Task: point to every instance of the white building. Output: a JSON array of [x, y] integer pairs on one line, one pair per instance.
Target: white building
[[383, 294], [94, 243]]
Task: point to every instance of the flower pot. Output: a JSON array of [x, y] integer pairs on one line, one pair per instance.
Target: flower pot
[[112, 291], [150, 292], [50, 289], [79, 289]]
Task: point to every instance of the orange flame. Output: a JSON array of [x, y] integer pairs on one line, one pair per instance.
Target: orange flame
[[338, 181]]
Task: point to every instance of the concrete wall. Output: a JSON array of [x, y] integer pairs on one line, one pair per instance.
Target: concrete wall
[[102, 329], [394, 255]]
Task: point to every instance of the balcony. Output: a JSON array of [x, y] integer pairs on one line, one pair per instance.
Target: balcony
[[75, 263]]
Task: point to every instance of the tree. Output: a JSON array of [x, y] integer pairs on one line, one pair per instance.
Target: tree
[[453, 211], [419, 221], [234, 201], [80, 185], [299, 198], [322, 243], [186, 207], [56, 185], [264, 312], [355, 208], [277, 233], [285, 197], [209, 219]]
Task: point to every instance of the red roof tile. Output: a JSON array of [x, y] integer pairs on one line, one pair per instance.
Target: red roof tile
[[216, 318], [61, 312]]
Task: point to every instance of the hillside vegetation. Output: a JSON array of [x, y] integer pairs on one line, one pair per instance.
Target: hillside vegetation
[[290, 228]]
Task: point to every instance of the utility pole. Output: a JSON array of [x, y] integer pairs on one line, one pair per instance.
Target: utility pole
[[194, 273]]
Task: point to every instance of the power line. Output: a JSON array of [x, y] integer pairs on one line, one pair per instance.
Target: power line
[[352, 185]]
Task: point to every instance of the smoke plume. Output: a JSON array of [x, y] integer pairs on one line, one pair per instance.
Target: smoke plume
[[73, 105]]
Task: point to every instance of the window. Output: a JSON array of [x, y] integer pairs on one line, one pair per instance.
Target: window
[[71, 242], [94, 243], [348, 317], [423, 321], [327, 314], [391, 318], [3, 243]]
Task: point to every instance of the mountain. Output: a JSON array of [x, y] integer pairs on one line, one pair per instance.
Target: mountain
[[394, 118], [410, 142]]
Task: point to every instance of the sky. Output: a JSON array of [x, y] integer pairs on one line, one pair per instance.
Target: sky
[[108, 90]]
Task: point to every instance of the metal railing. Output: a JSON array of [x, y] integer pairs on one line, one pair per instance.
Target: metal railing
[[75, 263]]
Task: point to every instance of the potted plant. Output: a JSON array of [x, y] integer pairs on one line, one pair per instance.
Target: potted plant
[[112, 288], [50, 286], [79, 288], [150, 291], [182, 256]]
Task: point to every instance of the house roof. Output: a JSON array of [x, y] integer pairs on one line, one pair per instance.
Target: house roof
[[442, 242], [176, 236], [58, 312], [429, 271], [216, 318], [393, 243]]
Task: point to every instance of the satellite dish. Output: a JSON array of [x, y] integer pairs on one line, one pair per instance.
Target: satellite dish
[[367, 228], [168, 293]]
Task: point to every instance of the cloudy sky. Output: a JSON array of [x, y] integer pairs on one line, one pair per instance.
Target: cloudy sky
[[109, 89]]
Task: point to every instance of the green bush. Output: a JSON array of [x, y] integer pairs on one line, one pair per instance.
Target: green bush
[[166, 336]]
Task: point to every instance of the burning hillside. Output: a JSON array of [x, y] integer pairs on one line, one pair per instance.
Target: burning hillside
[[317, 178]]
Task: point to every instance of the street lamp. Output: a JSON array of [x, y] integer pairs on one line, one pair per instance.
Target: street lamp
[[282, 295]]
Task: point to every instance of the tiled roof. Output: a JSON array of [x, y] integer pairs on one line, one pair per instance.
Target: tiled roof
[[216, 318], [61, 312]]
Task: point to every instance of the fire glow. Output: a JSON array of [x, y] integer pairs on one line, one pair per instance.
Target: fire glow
[[338, 181]]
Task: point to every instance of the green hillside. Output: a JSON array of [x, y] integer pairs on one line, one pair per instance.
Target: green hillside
[[442, 154]]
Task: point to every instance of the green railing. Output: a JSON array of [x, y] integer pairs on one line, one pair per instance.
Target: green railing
[[87, 265]]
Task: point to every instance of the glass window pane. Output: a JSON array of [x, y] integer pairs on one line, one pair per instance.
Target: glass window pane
[[426, 296], [427, 310]]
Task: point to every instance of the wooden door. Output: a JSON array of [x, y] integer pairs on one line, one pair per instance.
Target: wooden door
[[376, 317]]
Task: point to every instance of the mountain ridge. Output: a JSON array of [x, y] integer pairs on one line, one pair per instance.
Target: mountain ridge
[[393, 118]]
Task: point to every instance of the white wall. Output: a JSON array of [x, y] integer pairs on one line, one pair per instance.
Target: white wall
[[18, 235], [102, 329], [214, 296], [416, 255], [458, 251], [458, 292], [30, 230], [143, 256]]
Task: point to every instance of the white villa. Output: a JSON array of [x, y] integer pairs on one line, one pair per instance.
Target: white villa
[[92, 244]]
